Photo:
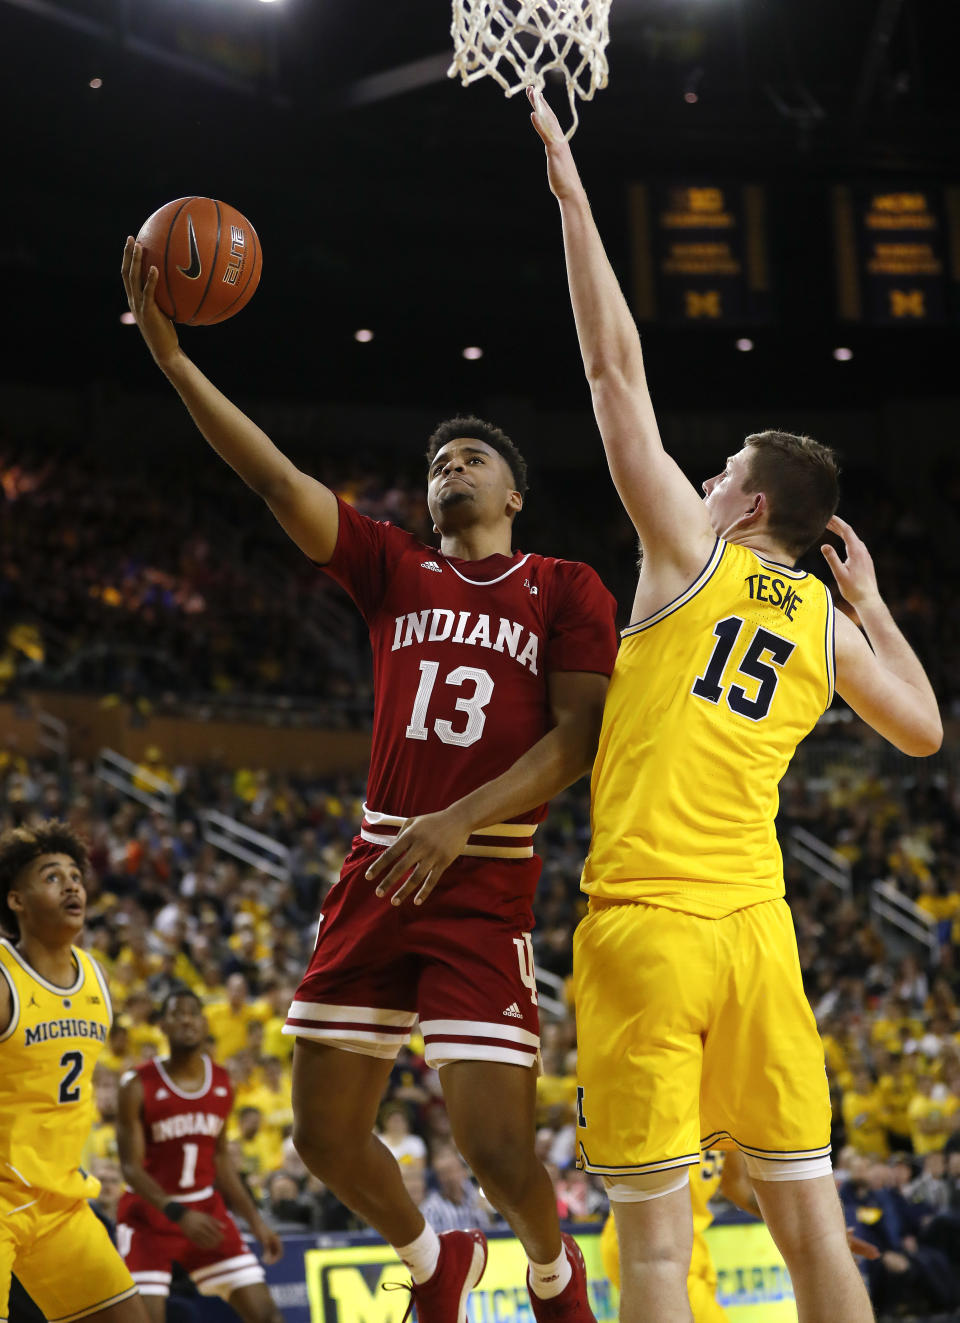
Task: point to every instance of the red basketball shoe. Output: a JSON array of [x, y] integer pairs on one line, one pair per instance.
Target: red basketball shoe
[[442, 1298], [572, 1304]]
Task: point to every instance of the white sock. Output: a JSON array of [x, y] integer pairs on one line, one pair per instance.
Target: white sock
[[421, 1255], [549, 1279]]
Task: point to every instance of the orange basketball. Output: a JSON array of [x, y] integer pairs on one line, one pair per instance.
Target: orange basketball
[[208, 257]]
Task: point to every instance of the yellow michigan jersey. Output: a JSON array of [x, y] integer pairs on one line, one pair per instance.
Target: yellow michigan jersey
[[47, 1055], [708, 700]]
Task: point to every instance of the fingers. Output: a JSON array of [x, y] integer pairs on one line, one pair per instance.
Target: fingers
[[433, 877], [388, 860], [831, 557], [419, 875], [543, 118]]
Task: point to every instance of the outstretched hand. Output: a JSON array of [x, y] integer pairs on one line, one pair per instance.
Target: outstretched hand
[[155, 327], [561, 171], [856, 578]]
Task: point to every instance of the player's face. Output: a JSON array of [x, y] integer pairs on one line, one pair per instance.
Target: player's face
[[469, 483], [184, 1023], [725, 498], [49, 897]]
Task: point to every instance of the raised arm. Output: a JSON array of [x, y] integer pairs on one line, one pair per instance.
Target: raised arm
[[306, 509], [883, 680], [665, 508]]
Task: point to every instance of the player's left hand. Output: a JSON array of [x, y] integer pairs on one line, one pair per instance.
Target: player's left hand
[[856, 578], [425, 847], [270, 1243]]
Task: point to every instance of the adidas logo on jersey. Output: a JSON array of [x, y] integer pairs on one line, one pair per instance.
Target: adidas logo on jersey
[[514, 1011], [430, 565]]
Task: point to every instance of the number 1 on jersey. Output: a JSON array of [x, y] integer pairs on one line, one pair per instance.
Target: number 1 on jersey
[[473, 705], [189, 1171]]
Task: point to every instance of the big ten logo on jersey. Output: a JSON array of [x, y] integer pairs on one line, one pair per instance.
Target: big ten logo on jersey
[[238, 246]]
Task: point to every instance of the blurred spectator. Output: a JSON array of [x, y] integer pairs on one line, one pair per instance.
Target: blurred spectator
[[396, 1135], [456, 1203]]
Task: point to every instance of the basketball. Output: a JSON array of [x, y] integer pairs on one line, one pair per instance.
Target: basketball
[[208, 256]]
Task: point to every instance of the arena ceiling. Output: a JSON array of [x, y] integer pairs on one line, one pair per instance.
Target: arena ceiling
[[387, 196]]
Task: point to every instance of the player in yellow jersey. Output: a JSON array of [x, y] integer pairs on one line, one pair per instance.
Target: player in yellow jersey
[[55, 1013], [694, 1030]]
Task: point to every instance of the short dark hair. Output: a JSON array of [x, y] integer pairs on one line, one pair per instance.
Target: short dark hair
[[181, 990], [478, 430], [799, 477], [20, 846]]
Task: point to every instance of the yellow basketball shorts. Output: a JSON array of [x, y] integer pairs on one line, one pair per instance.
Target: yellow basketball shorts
[[694, 1033], [61, 1253]]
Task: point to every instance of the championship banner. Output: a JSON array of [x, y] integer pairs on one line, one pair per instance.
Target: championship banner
[[700, 254], [897, 255]]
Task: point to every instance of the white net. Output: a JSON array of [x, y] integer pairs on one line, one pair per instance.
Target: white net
[[517, 42]]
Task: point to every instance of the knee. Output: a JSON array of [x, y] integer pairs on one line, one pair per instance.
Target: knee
[[502, 1168], [321, 1150]]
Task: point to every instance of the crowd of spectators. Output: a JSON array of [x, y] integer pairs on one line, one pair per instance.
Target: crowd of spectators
[[174, 584], [113, 583], [167, 909]]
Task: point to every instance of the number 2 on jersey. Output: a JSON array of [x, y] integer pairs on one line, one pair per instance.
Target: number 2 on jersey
[[69, 1088], [709, 685], [472, 704]]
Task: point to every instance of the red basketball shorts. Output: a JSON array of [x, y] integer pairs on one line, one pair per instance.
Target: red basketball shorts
[[462, 963], [151, 1245]]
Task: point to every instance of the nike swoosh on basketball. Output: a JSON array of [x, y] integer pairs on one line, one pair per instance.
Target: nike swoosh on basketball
[[192, 272]]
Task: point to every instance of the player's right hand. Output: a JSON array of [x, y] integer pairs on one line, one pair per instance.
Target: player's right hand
[[561, 170], [202, 1229], [155, 327]]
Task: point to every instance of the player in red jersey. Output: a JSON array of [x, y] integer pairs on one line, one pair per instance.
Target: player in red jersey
[[490, 670], [171, 1131]]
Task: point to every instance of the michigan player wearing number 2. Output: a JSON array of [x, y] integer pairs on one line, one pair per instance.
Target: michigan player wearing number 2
[[692, 1023], [490, 670], [55, 1014]]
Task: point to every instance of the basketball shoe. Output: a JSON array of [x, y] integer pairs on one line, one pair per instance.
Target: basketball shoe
[[572, 1304], [442, 1298]]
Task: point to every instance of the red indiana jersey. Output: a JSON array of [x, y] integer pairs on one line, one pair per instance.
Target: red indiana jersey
[[181, 1129], [462, 653]]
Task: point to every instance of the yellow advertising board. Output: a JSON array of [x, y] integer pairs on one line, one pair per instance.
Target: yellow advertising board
[[752, 1281], [355, 1285], [365, 1283]]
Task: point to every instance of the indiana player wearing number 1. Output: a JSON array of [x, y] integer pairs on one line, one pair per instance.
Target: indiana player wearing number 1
[[55, 1014], [490, 671], [692, 1021], [171, 1132]]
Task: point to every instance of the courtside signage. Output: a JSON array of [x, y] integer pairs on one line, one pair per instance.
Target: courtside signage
[[347, 1285]]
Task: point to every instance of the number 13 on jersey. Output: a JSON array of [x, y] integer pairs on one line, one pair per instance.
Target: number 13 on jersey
[[472, 704]]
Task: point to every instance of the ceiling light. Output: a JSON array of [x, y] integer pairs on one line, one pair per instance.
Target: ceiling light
[[128, 318], [364, 335], [95, 83], [744, 345], [473, 352], [843, 355]]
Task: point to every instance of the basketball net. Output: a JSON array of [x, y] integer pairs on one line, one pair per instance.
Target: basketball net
[[517, 42]]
